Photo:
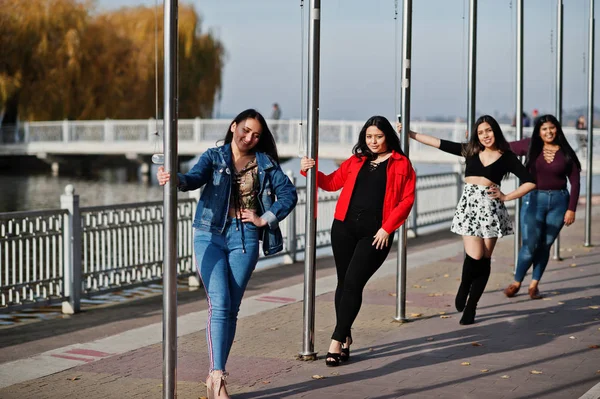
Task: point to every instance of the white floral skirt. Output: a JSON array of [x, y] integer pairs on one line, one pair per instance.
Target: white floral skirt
[[479, 215]]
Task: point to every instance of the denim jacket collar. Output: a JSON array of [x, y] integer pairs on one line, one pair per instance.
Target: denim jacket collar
[[263, 161]]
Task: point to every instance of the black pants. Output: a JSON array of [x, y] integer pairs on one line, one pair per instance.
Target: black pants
[[356, 260]]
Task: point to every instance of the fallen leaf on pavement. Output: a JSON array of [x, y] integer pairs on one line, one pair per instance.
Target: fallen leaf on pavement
[[535, 372], [465, 364], [335, 373], [416, 314], [555, 292], [317, 377], [416, 286], [446, 275], [370, 349], [203, 397], [546, 299], [445, 317], [266, 382], [505, 377], [392, 294], [442, 312], [561, 303], [428, 280], [475, 344], [75, 378], [594, 346], [573, 265], [274, 329], [485, 370]]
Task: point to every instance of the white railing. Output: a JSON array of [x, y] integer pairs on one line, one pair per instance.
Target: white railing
[[64, 254], [138, 137]]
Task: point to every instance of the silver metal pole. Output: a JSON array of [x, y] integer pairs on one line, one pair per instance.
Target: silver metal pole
[[472, 78], [519, 120], [590, 133], [170, 202], [559, 89], [314, 48], [402, 237]]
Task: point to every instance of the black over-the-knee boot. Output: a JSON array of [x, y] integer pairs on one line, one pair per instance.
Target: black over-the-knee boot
[[482, 274], [468, 273]]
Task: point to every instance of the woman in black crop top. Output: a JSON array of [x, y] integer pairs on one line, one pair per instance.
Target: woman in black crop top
[[481, 217]]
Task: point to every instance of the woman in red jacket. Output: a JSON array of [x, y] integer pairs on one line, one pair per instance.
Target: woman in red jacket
[[378, 191]]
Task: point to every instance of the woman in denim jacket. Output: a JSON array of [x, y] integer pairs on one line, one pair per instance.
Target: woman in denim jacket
[[245, 196]]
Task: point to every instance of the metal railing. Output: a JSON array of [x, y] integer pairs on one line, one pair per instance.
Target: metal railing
[[65, 254]]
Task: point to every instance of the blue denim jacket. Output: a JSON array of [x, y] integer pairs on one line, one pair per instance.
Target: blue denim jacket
[[277, 195]]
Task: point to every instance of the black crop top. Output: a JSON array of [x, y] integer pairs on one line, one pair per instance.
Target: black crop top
[[508, 162]]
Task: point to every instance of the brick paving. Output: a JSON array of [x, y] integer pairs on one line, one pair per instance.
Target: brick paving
[[518, 348]]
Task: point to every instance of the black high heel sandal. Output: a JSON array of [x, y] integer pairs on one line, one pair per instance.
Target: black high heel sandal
[[332, 363]]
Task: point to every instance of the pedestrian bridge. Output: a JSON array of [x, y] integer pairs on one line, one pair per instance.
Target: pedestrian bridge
[[139, 139]]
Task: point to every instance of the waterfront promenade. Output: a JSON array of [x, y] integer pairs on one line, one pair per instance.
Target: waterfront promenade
[[518, 348]]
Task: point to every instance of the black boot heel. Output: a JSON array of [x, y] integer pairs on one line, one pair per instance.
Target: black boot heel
[[332, 363]]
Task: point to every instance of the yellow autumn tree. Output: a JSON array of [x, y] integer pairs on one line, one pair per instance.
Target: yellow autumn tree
[[60, 60]]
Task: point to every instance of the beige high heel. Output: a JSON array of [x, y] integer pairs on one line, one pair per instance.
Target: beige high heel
[[215, 385]]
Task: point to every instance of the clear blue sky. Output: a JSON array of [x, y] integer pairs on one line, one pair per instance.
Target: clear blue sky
[[262, 39]]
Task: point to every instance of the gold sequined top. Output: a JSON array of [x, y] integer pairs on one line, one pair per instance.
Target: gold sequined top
[[244, 193]]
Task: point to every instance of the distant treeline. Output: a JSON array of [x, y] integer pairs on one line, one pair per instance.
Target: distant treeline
[[59, 59]]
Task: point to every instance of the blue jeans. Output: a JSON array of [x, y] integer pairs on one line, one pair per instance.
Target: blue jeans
[[225, 263], [542, 217]]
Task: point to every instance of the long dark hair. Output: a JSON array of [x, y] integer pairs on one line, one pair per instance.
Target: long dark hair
[[361, 149], [474, 146], [537, 144], [266, 143]]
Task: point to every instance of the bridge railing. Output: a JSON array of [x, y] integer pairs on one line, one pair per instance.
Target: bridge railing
[[336, 138], [62, 255]]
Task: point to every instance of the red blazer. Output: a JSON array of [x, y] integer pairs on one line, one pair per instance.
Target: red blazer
[[399, 192]]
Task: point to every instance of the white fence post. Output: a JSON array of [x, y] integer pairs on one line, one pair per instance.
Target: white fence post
[[72, 251], [65, 131], [26, 131], [109, 130], [197, 130]]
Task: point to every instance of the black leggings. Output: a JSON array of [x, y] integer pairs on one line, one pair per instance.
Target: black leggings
[[356, 260]]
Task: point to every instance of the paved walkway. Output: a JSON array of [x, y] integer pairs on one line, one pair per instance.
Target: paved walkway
[[518, 348]]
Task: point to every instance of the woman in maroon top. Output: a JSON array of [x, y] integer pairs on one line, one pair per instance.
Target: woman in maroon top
[[545, 210]]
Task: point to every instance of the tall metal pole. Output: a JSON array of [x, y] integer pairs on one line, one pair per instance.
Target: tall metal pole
[[472, 78], [559, 88], [402, 237], [170, 202], [519, 120], [590, 133], [314, 48]]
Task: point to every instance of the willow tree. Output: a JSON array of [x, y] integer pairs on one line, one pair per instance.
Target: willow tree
[[62, 61]]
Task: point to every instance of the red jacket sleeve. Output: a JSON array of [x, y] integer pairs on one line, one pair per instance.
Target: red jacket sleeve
[[401, 211], [335, 180]]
